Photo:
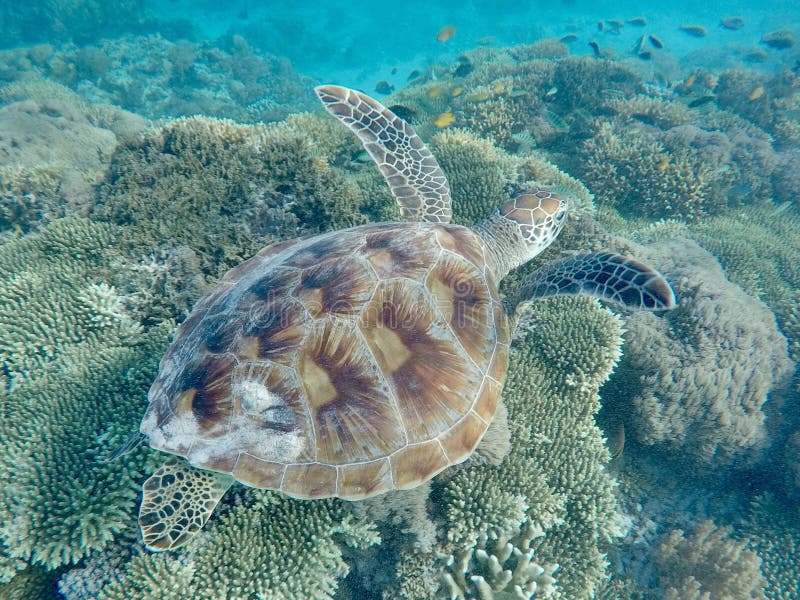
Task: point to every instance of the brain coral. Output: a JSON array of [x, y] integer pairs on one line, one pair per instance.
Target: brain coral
[[697, 379], [76, 368]]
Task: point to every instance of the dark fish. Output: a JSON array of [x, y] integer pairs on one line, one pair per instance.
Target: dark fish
[[701, 101], [780, 40], [464, 67], [394, 70], [755, 56], [637, 21], [599, 26], [656, 42], [613, 26], [645, 55], [384, 87], [694, 30], [733, 23], [595, 48], [414, 74], [407, 114], [568, 39]]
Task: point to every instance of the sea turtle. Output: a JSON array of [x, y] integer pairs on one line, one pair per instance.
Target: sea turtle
[[358, 361]]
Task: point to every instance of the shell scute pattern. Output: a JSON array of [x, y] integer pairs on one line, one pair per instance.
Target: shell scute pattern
[[344, 365]]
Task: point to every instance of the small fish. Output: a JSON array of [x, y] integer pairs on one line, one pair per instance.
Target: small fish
[[487, 40], [464, 67], [498, 87], [637, 21], [444, 120], [445, 33], [613, 26], [384, 87], [663, 163], [551, 92], [656, 42], [394, 70], [435, 91], [407, 114], [697, 31], [779, 40], [645, 55], [568, 38], [756, 93], [457, 91], [595, 48], [690, 80], [415, 74], [701, 101], [556, 121], [755, 56], [479, 95], [615, 441], [733, 23]]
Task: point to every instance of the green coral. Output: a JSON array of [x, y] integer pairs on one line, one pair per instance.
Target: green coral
[[254, 183], [272, 547], [477, 172], [76, 371], [774, 533]]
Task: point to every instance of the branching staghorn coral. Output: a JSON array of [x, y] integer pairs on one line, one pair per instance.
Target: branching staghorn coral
[[76, 368], [270, 547]]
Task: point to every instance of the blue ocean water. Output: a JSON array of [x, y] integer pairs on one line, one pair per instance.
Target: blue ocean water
[[149, 148]]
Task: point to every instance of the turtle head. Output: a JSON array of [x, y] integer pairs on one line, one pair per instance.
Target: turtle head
[[524, 226]]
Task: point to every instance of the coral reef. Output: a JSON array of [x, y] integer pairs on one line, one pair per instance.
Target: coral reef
[[255, 183], [76, 367], [509, 525], [78, 20], [696, 380], [157, 78], [774, 533], [268, 546], [708, 563]]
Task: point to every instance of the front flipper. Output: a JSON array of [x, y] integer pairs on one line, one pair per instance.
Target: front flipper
[[605, 275], [414, 177], [177, 500]]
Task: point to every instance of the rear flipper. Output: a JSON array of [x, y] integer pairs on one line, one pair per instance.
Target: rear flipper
[[610, 277], [177, 500]]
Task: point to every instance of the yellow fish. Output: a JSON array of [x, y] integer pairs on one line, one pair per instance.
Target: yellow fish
[[456, 91], [663, 163], [756, 93], [498, 87], [435, 91], [445, 33], [444, 120], [480, 95]]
